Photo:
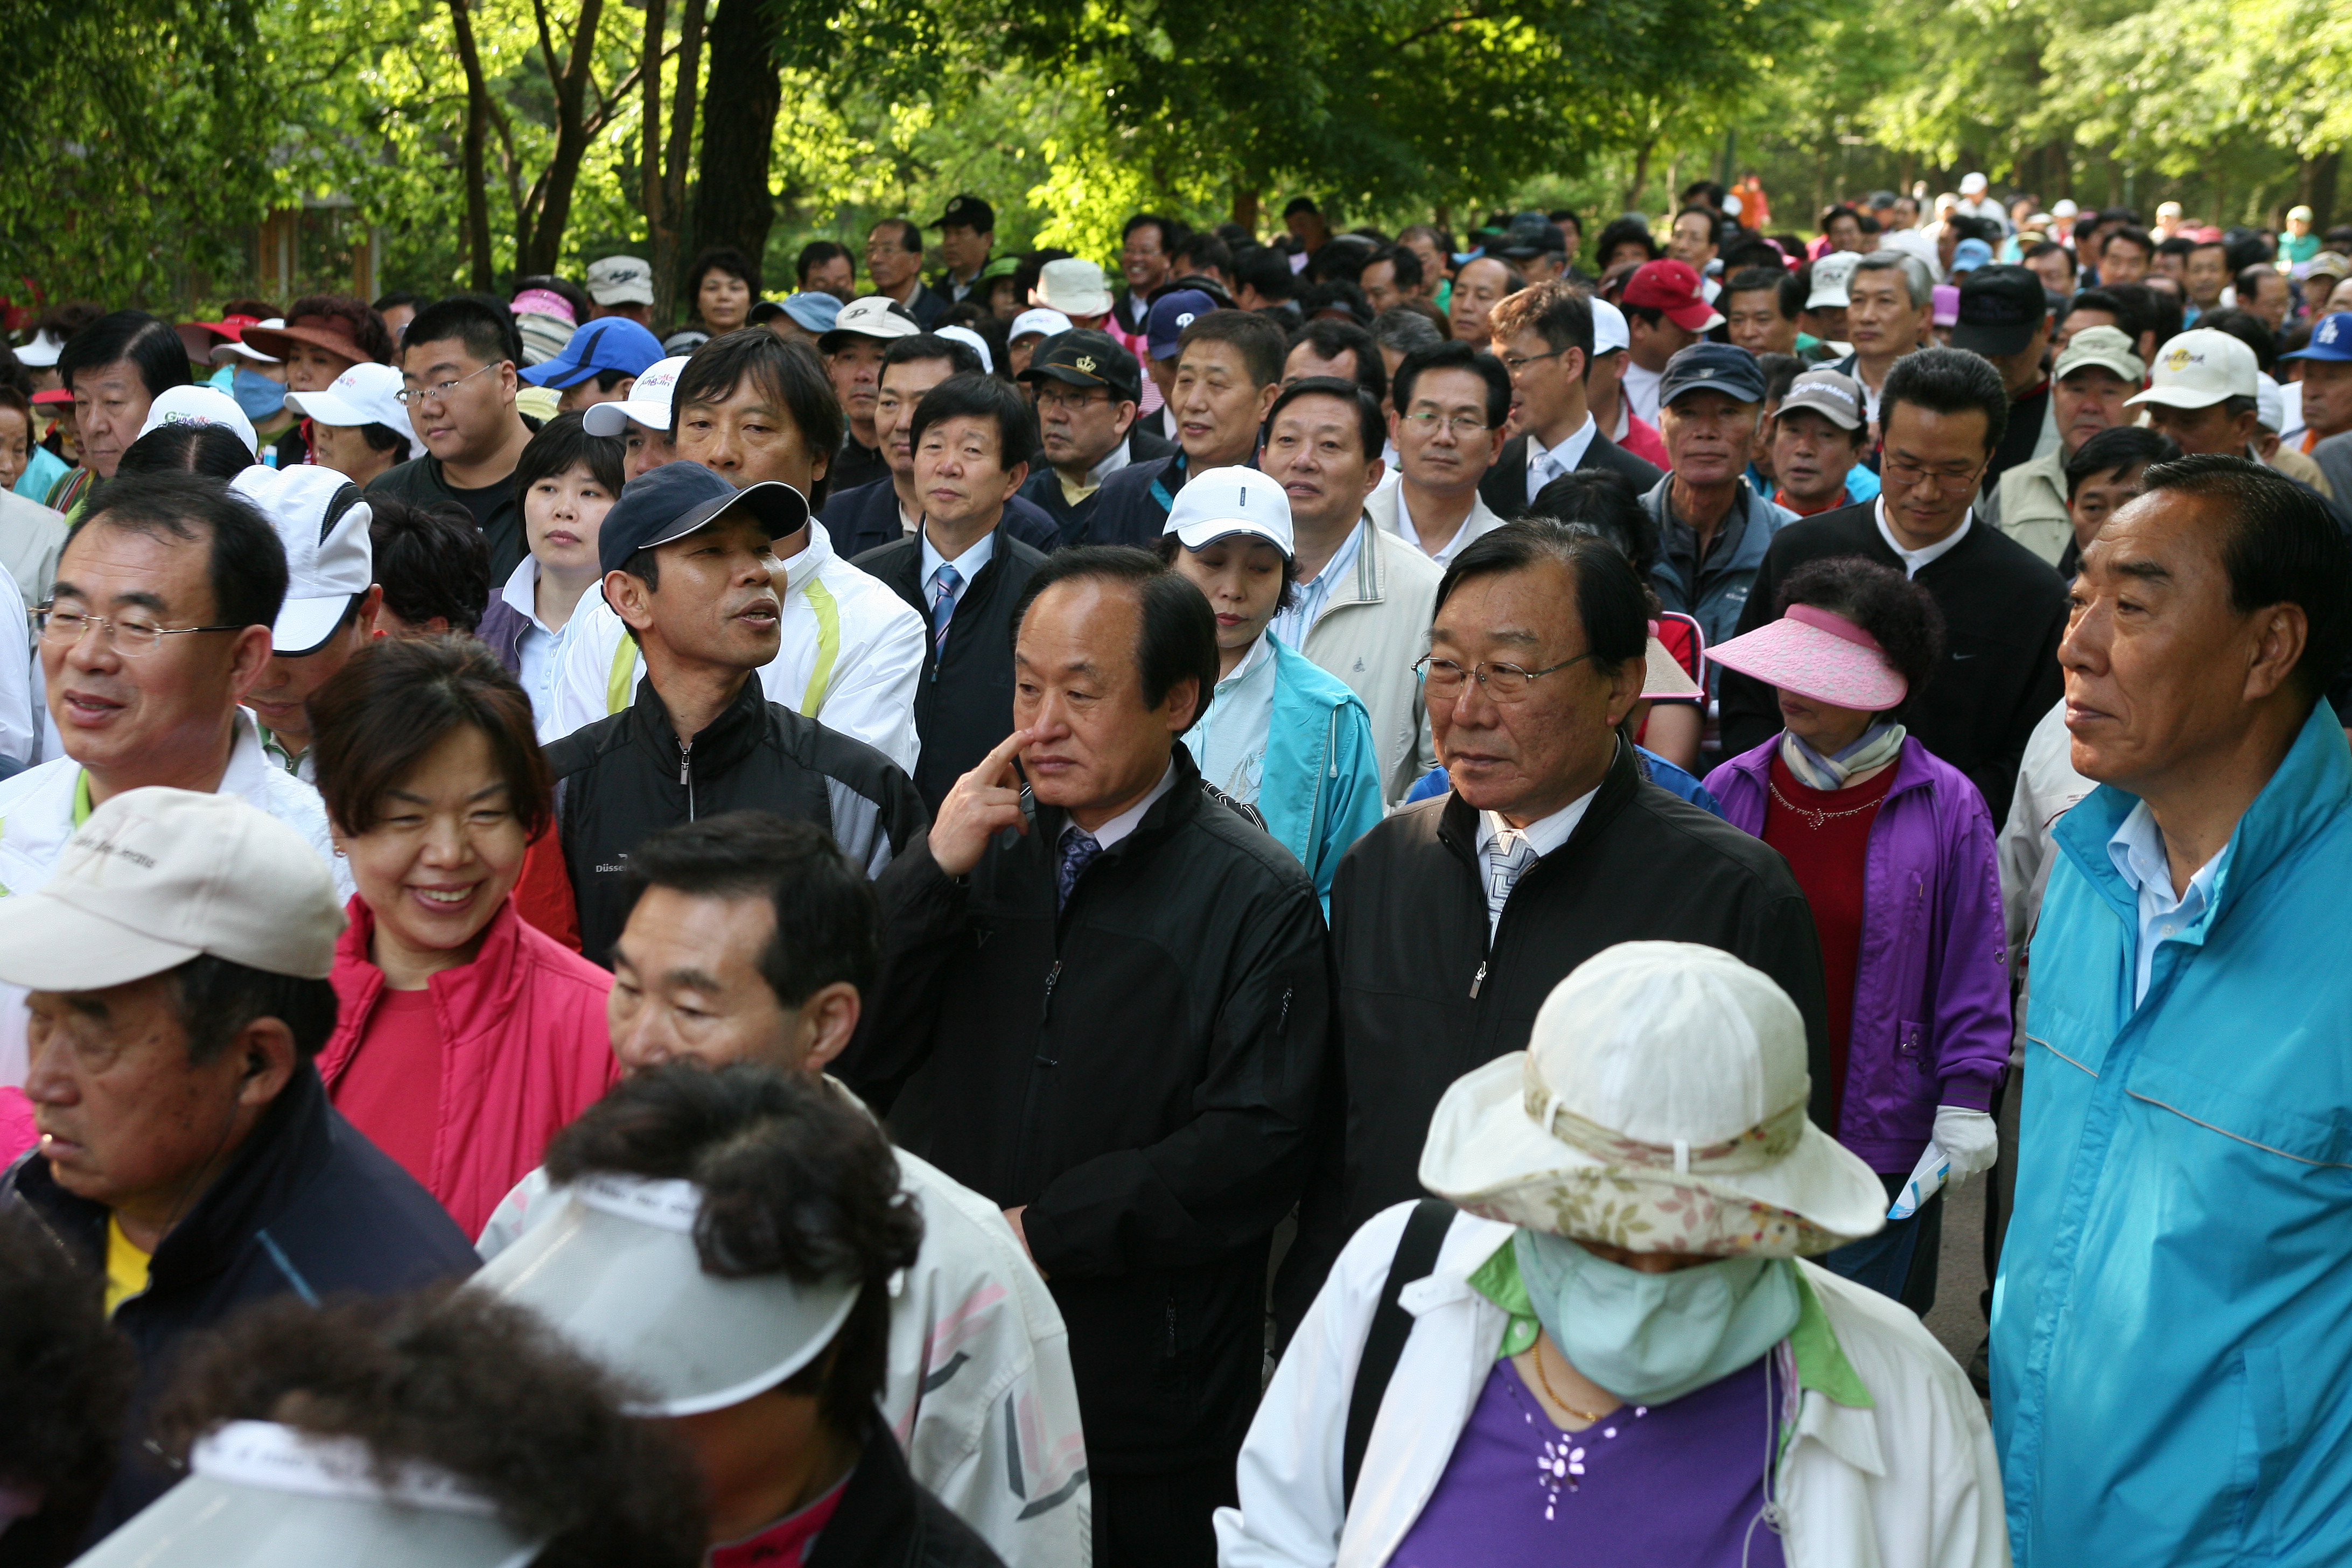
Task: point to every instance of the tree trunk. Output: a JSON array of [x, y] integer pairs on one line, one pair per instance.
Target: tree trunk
[[667, 263], [2315, 187], [477, 132], [649, 146], [732, 206], [538, 250], [1246, 201], [1640, 175]]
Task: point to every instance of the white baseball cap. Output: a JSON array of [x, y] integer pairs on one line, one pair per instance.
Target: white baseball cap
[[2065, 208], [1832, 274], [1222, 502], [233, 349], [874, 316], [1973, 185], [1608, 333], [2199, 369], [42, 351], [974, 342], [366, 393], [1039, 321], [330, 560], [2270, 403], [621, 280], [1073, 286], [647, 403], [157, 877], [201, 405]]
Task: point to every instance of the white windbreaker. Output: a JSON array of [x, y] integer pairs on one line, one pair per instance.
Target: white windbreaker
[[1910, 1481]]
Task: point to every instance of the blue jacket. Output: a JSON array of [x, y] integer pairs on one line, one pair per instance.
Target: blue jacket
[[1321, 791], [2172, 1327]]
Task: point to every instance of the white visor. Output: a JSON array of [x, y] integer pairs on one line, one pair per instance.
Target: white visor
[[615, 1271], [647, 403]]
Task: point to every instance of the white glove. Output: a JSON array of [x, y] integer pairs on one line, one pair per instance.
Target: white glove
[[1969, 1139]]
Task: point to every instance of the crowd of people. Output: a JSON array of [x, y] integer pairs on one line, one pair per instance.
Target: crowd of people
[[1353, 903]]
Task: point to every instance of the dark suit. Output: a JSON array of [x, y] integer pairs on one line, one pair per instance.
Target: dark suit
[[868, 519], [1505, 488], [1044, 487]]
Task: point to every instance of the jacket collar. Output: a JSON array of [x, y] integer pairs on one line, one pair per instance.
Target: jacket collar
[[728, 737], [483, 992], [1457, 827], [1743, 553], [1911, 767], [880, 1514], [1176, 806]]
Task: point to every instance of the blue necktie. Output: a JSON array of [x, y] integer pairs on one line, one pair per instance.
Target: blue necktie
[[943, 602], [1078, 851]]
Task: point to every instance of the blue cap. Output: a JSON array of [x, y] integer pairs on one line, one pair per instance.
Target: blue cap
[[812, 312], [1969, 254], [609, 342], [673, 500], [2331, 338], [1171, 315], [1712, 367]]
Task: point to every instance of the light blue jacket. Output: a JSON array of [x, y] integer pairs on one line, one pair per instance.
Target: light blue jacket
[[2172, 1327]]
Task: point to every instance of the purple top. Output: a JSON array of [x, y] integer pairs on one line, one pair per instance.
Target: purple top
[[1670, 1486]]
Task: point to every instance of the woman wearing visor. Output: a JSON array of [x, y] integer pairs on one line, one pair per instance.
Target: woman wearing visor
[[1618, 1354], [1279, 735], [1894, 850]]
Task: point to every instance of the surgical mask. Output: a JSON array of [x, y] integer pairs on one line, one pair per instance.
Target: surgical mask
[[260, 397], [1651, 1338]]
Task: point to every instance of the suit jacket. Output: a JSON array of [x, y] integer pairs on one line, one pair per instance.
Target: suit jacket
[[1043, 487], [1505, 488], [866, 519]]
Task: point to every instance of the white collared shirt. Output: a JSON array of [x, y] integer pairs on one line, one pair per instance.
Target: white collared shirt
[[977, 555], [1915, 559], [1547, 464], [1128, 821], [1230, 741], [1641, 390], [2137, 847], [539, 650], [1306, 602], [1544, 834]]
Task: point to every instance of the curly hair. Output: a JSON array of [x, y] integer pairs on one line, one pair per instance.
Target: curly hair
[[1898, 612], [470, 1383], [65, 1384]]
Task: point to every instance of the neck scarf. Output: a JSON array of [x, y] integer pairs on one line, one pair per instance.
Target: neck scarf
[[1874, 748]]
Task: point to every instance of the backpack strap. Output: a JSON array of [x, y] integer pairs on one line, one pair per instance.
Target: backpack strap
[[1416, 1256]]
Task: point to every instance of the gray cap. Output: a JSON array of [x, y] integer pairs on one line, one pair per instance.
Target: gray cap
[[1833, 394]]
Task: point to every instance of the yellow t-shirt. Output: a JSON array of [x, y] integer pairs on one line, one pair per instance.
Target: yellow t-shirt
[[126, 1266]]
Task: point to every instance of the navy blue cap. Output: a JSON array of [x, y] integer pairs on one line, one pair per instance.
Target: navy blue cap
[[1171, 315], [1712, 367], [2331, 338], [609, 342], [669, 502]]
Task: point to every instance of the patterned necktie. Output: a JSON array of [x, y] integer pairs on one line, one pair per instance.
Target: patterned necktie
[[943, 602], [1078, 851], [1507, 856]]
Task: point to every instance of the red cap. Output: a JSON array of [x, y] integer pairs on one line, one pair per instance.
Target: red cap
[[55, 394], [1671, 287]]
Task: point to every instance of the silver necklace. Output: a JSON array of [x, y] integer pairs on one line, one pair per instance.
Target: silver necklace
[[1814, 818]]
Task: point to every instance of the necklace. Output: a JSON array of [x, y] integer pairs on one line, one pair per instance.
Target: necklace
[[1815, 818], [1543, 1378]]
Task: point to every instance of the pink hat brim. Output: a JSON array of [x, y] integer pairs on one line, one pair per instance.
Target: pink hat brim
[[1814, 664]]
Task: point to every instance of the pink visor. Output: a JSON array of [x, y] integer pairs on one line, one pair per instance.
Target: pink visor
[[543, 303], [1818, 655]]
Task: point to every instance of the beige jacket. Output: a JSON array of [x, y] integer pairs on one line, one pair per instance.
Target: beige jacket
[[2032, 505], [1372, 630]]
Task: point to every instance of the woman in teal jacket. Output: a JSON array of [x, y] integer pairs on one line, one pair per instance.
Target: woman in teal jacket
[[1279, 735]]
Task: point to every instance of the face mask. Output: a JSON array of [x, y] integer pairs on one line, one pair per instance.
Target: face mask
[[260, 397], [1651, 1338]]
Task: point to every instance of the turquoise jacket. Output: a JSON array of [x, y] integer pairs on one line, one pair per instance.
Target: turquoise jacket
[[1321, 791], [2172, 1327]]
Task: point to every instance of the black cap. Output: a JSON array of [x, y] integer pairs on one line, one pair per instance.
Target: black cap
[[1084, 357], [673, 500], [1531, 234], [968, 212], [1712, 367], [2000, 309]]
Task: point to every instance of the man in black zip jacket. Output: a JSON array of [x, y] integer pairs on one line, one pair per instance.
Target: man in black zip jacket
[[1104, 1005], [972, 437], [689, 567], [1453, 919]]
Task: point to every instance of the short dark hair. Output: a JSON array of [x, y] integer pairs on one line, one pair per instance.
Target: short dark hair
[[2250, 279], [2131, 234], [394, 301], [727, 258], [828, 926], [1947, 381], [1266, 270], [920, 346], [910, 239], [788, 371], [2116, 448], [1788, 294], [562, 442], [1179, 639], [1262, 345], [2248, 329], [1454, 356], [469, 1384], [1604, 500], [1371, 425], [149, 342], [483, 326], [245, 561], [1557, 311], [1625, 231], [986, 397], [218, 998], [1297, 205], [382, 714], [1404, 259], [1330, 338], [2040, 249], [1780, 373], [1170, 229], [2284, 547], [356, 316], [430, 561], [208, 451], [1203, 250], [2105, 299], [1832, 213], [1611, 601], [2158, 311], [64, 1387], [796, 1179], [1899, 614], [815, 254]]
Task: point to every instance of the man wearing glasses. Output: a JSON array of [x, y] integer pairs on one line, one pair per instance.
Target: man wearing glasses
[[1543, 335], [1943, 412], [1453, 919], [457, 378], [146, 651], [1449, 402], [1088, 389]]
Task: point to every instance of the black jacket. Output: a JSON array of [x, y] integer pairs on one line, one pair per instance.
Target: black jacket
[[307, 1207], [2004, 613], [1424, 995], [625, 777], [420, 480], [1131, 508], [1505, 488], [964, 706], [853, 466], [1043, 488], [1139, 1070], [884, 1519], [866, 519]]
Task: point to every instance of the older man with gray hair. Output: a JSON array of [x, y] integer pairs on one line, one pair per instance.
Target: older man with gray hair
[[1890, 306]]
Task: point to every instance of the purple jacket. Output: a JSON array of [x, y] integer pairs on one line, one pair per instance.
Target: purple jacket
[[1931, 1021]]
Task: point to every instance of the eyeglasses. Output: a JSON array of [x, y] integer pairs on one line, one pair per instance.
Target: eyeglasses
[[131, 639], [1052, 399], [1910, 476], [1463, 426], [439, 392], [1503, 683], [1516, 363]]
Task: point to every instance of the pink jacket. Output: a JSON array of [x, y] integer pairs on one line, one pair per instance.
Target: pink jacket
[[528, 1051]]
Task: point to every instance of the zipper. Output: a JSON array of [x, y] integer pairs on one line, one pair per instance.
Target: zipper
[[1477, 980], [1171, 1325], [686, 774], [1052, 978]]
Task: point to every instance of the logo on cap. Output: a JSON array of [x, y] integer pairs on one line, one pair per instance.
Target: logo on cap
[[1184, 320], [2327, 333], [2178, 360], [1084, 362]]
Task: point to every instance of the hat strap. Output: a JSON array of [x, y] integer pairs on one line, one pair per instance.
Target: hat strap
[[1837, 625], [1759, 1148]]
